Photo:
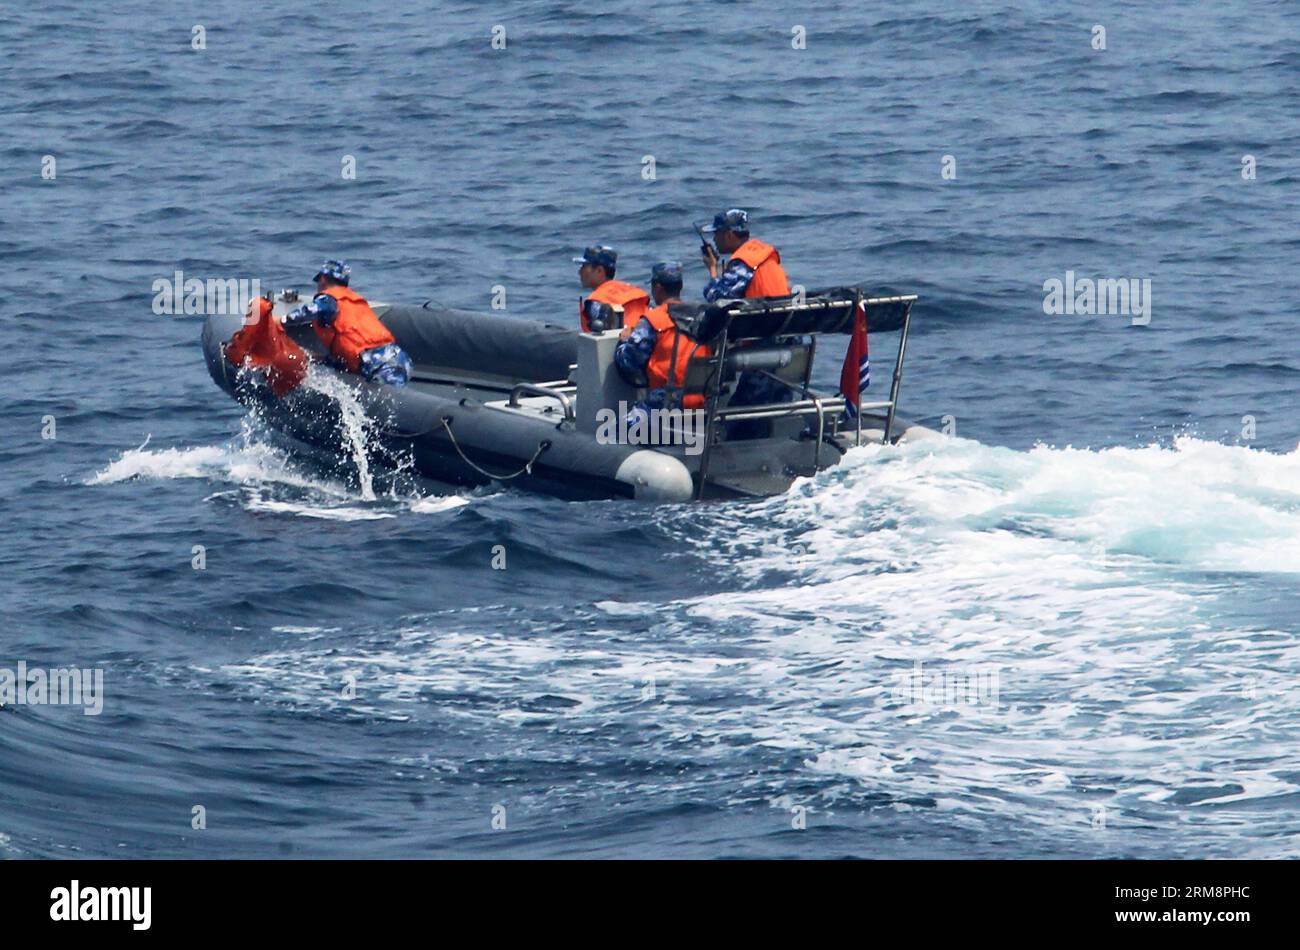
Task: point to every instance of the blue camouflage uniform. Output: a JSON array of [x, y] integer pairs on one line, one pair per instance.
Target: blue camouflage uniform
[[632, 354], [734, 280], [731, 284], [385, 364], [752, 389]]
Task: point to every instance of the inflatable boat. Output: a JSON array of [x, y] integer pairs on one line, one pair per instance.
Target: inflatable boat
[[542, 407]]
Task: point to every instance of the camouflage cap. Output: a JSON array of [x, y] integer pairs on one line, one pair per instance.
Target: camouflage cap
[[666, 272], [600, 254], [336, 270], [733, 219]]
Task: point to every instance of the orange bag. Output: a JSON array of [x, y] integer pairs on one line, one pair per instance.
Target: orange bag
[[263, 342]]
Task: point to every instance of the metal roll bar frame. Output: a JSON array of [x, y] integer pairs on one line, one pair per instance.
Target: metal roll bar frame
[[811, 403]]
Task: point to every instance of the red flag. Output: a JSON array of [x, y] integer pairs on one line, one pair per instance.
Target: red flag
[[856, 374], [263, 342]]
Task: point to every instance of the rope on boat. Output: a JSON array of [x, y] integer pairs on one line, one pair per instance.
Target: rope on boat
[[528, 466]]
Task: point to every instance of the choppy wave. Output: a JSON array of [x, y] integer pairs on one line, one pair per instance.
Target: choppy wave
[[1035, 636], [1195, 504], [270, 479]]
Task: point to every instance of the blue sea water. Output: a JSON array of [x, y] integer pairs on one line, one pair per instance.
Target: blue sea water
[[1108, 548]]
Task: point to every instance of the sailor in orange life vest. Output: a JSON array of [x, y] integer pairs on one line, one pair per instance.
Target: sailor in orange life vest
[[597, 275], [655, 354], [356, 340], [754, 269]]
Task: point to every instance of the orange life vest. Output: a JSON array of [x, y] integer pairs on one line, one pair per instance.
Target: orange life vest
[[354, 330], [763, 259], [263, 342], [632, 299], [671, 355]]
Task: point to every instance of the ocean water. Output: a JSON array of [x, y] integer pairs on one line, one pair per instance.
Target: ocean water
[[1068, 630]]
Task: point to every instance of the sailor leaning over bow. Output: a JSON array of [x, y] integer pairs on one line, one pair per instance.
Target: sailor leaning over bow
[[355, 338]]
